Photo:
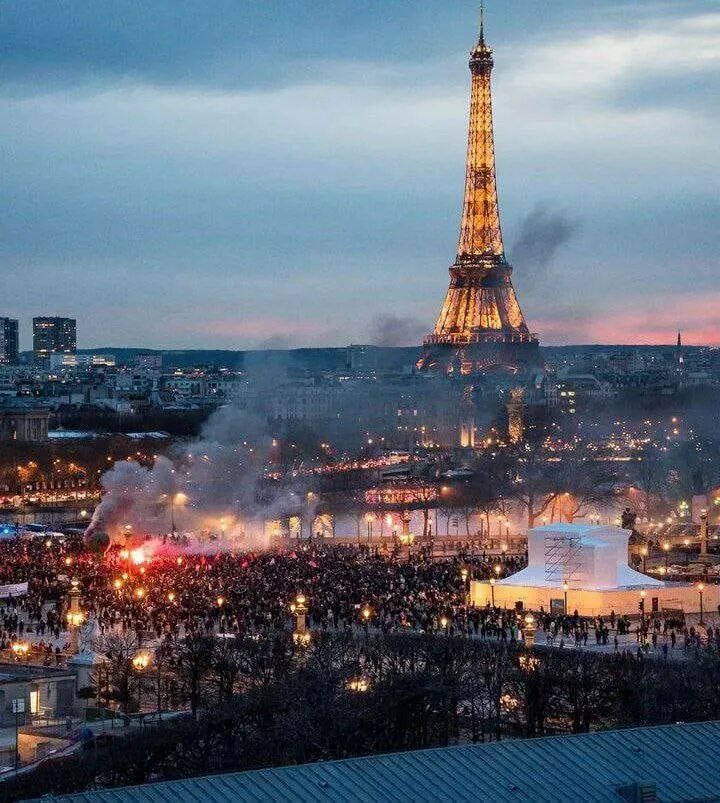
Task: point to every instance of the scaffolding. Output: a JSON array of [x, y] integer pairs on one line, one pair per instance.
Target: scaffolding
[[563, 559]]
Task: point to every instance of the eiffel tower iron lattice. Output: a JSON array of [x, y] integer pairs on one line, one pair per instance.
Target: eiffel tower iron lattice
[[481, 325]]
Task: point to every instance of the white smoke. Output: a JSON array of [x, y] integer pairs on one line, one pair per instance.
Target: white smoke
[[208, 485]]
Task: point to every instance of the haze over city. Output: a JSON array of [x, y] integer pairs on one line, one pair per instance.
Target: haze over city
[[283, 174]]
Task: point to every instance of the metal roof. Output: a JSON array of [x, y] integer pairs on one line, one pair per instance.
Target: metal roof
[[682, 761]]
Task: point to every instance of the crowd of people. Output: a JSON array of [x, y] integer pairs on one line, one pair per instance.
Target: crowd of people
[[158, 591]]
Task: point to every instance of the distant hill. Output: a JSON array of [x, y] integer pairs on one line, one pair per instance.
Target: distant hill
[[389, 358]]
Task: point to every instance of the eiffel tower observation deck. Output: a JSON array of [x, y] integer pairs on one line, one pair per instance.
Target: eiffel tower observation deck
[[481, 326]]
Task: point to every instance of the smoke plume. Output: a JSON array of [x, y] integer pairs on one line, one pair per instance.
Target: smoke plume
[[210, 484], [542, 232], [391, 330]]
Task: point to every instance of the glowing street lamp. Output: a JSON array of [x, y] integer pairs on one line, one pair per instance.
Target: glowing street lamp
[[20, 649], [141, 661], [301, 634], [366, 614], [643, 594], [529, 630], [75, 616], [492, 590], [666, 547], [566, 588], [360, 684]]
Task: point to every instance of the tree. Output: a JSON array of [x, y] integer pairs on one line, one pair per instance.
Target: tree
[[116, 678], [192, 659]]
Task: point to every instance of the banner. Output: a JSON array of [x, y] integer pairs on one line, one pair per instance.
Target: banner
[[13, 590]]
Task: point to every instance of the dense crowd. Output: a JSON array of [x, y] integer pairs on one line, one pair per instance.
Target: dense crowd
[[157, 590], [160, 591]]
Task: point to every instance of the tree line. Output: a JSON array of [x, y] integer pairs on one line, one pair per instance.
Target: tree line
[[259, 700]]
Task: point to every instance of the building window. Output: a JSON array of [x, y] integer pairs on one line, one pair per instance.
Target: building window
[[35, 702]]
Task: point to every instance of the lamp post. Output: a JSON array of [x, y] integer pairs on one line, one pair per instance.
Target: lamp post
[[492, 590], [140, 663], [445, 624], [565, 588], [666, 547], [644, 553], [220, 601], [642, 606], [464, 574], [529, 629], [701, 587], [301, 634], [75, 616], [366, 614]]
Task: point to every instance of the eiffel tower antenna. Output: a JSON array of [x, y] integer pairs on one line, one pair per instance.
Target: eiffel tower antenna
[[482, 22]]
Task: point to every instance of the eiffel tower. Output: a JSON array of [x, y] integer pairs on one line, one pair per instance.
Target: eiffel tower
[[481, 326]]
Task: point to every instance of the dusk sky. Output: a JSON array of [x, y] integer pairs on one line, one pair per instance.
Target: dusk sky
[[241, 173]]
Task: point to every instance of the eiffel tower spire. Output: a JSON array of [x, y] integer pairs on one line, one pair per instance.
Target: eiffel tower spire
[[480, 325], [480, 231]]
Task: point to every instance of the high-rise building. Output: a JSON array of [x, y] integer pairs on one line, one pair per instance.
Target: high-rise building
[[8, 341], [54, 336], [481, 325]]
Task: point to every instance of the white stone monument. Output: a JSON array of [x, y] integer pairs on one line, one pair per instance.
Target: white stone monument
[[583, 556], [584, 568]]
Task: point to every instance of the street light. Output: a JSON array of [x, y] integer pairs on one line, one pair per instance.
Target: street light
[[701, 587], [20, 649], [529, 628], [141, 661], [75, 617], [565, 588], [301, 635], [492, 590], [366, 614], [643, 594], [666, 547], [444, 624]]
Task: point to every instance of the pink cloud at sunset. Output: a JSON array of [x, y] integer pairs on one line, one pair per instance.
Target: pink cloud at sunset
[[652, 321]]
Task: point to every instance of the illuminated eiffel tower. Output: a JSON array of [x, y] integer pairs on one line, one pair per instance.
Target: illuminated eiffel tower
[[481, 326]]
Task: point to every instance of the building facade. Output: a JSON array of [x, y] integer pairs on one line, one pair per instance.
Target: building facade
[[53, 335], [9, 340]]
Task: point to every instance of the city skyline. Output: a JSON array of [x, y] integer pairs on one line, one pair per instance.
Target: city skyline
[[253, 177]]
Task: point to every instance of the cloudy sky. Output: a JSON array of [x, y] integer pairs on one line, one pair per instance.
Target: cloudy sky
[[239, 173]]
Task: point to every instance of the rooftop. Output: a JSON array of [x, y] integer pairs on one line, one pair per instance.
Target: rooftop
[[19, 673], [675, 762]]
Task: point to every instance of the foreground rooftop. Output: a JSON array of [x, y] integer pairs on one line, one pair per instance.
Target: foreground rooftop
[[665, 763]]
